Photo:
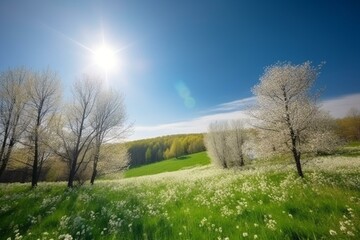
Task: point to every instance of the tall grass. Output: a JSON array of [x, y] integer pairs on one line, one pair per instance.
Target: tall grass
[[201, 203]]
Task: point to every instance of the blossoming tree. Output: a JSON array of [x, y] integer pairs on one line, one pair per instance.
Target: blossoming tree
[[286, 110]]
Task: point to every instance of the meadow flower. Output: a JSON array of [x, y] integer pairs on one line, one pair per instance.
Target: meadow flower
[[245, 234], [332, 232], [65, 237]]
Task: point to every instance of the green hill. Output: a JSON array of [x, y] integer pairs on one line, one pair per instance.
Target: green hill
[[153, 150], [174, 164]]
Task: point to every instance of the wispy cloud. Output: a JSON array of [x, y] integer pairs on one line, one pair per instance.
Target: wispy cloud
[[196, 125], [337, 107], [236, 105]]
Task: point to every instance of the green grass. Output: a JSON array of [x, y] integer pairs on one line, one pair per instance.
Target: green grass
[[353, 144], [263, 201], [191, 204], [351, 149], [174, 164]]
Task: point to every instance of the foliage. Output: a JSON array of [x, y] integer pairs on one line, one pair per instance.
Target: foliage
[[225, 143], [156, 149], [108, 122], [13, 122], [349, 126], [287, 112], [176, 149], [31, 113], [44, 93]]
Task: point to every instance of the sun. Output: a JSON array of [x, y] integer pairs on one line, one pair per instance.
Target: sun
[[105, 57]]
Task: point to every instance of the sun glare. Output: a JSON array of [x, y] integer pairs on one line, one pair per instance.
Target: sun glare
[[105, 57]]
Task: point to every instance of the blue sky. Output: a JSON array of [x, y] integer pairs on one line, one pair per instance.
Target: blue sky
[[185, 63]]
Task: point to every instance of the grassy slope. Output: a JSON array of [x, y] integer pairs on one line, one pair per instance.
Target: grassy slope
[[193, 160], [269, 202]]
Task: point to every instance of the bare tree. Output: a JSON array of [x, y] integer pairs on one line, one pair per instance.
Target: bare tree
[[225, 143], [216, 143], [12, 104], [112, 159], [75, 130], [108, 122], [285, 105], [44, 94], [236, 138]]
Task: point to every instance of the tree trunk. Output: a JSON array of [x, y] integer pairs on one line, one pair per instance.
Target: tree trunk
[[35, 162], [242, 160], [34, 170], [72, 173], [3, 166], [223, 160], [6, 158], [297, 157], [71, 179], [93, 176], [293, 136], [296, 153], [3, 159], [96, 160]]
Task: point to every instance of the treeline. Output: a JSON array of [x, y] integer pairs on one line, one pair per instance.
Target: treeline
[[55, 169], [34, 117], [156, 149], [348, 128]]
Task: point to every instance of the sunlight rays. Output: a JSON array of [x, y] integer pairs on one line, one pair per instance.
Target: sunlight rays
[[103, 57]]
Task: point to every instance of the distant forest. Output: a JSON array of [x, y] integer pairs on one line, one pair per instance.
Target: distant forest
[[156, 149]]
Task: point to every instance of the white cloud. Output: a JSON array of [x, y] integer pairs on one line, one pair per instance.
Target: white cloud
[[234, 105], [337, 107], [196, 125]]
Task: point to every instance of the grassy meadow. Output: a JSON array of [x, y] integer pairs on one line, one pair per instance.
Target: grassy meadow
[[262, 201], [174, 164]]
